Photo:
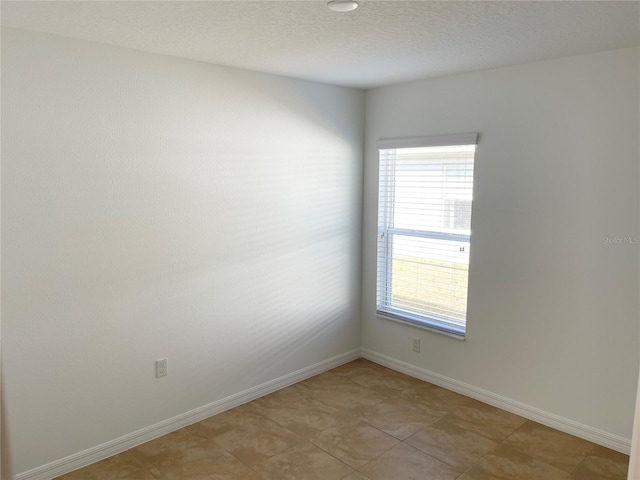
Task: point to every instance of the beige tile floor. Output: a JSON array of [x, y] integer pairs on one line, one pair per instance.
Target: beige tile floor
[[362, 421]]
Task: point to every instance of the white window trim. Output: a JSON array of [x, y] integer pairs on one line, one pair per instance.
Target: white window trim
[[458, 335], [430, 141], [424, 322]]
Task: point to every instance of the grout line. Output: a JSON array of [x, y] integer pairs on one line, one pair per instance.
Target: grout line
[[562, 424], [521, 426], [480, 459], [575, 469], [307, 441], [431, 456], [135, 459]]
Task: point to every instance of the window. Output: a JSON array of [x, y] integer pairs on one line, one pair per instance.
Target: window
[[424, 230]]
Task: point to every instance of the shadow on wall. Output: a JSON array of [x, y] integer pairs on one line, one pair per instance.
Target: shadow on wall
[[323, 183], [206, 213]]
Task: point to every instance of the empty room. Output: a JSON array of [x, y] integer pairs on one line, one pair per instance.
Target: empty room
[[320, 240]]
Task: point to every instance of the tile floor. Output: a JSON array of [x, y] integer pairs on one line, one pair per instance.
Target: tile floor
[[361, 421]]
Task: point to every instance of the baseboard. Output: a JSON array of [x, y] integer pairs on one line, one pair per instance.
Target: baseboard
[[580, 430], [118, 445]]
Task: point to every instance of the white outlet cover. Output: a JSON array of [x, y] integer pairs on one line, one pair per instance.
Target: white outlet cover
[[162, 367]]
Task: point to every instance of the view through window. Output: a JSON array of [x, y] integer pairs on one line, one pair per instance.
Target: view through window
[[424, 230]]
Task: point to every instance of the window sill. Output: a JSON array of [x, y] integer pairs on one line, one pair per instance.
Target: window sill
[[442, 330]]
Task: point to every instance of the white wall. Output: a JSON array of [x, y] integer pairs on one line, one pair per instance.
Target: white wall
[[157, 207], [154, 207], [634, 460], [553, 311]]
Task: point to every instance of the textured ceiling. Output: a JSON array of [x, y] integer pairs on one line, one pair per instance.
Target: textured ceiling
[[381, 42]]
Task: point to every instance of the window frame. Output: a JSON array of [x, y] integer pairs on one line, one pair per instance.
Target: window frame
[[386, 234]]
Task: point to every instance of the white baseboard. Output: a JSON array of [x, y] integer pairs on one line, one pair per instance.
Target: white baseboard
[[580, 430], [118, 445]]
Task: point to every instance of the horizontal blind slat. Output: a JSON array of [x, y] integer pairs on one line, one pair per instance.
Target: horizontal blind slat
[[424, 220]]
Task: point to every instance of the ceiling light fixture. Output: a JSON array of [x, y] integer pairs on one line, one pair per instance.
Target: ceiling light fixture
[[342, 5]]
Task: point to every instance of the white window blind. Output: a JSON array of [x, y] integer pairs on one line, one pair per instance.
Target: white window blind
[[424, 230]]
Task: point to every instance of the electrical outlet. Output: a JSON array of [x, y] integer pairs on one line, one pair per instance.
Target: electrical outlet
[[162, 367], [416, 344]]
